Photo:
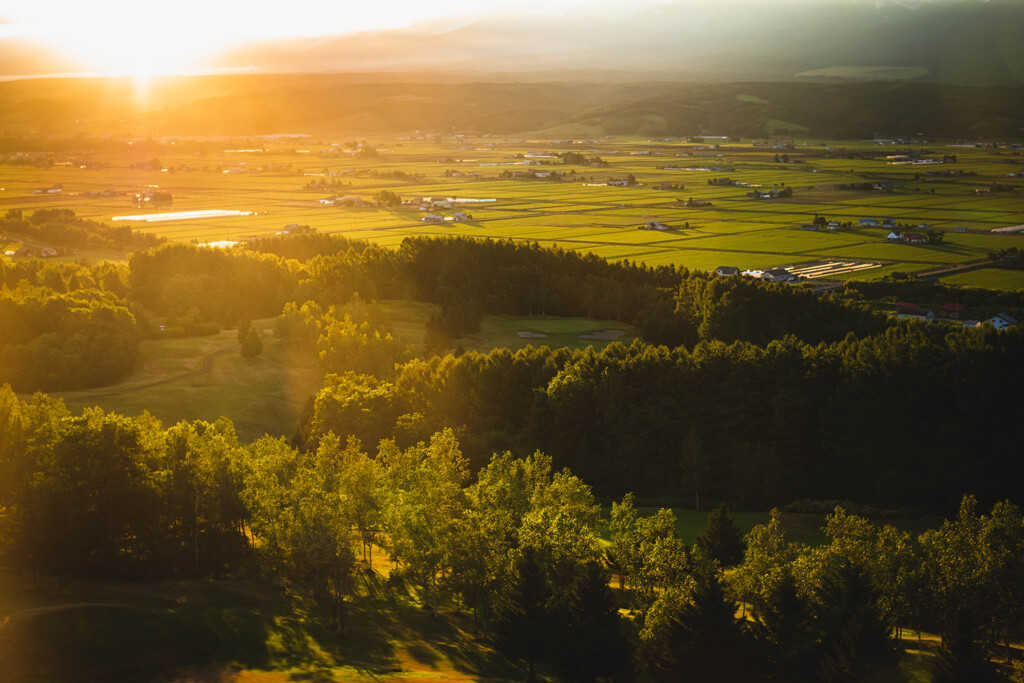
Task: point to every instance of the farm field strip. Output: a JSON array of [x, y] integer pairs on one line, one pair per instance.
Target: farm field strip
[[991, 278], [602, 218]]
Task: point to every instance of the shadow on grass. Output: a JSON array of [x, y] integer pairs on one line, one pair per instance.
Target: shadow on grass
[[209, 631], [130, 642]]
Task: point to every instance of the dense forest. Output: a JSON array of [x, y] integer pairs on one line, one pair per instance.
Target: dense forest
[[104, 496]]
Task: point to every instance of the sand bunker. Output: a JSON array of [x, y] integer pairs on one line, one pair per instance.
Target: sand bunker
[[604, 335], [530, 335]]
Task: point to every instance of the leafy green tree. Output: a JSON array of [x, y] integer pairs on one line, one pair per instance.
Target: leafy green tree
[[92, 508], [359, 484], [722, 540], [499, 500], [561, 527], [345, 346], [662, 559], [423, 505], [955, 570], [318, 540], [622, 553], [1002, 540], [355, 405], [963, 656], [206, 484], [299, 514], [765, 563], [299, 326]]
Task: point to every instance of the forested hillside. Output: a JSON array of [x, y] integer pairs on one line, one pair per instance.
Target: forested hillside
[[339, 103]]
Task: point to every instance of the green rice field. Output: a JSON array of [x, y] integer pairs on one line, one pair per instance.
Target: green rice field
[[578, 210]]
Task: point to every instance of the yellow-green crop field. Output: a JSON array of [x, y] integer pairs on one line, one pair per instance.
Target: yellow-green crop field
[[578, 210]]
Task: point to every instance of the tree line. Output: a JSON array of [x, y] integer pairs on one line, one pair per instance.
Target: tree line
[[904, 419], [62, 228], [59, 341], [101, 495]]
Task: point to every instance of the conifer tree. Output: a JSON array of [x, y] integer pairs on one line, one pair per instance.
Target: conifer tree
[[722, 540], [521, 626], [589, 643]]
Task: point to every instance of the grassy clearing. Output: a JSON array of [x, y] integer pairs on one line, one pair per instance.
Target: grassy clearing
[[183, 379], [408, 320], [500, 331], [205, 378]]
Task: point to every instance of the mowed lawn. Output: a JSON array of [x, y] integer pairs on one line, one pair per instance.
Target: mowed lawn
[[408, 319], [204, 378]]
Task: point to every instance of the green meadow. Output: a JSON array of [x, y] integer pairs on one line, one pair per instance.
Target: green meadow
[[205, 378]]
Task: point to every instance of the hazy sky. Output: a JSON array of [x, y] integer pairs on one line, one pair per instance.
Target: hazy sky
[[134, 37]]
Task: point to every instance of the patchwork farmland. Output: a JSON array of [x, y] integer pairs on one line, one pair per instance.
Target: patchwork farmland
[[697, 193]]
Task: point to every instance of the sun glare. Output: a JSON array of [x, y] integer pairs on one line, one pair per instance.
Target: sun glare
[[122, 37], [129, 38]]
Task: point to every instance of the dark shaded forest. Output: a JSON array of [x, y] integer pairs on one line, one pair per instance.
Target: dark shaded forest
[[102, 496]]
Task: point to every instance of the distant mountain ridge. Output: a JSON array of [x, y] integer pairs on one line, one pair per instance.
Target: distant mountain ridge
[[967, 42], [563, 106]]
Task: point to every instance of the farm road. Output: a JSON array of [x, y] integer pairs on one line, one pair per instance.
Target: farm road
[[120, 390]]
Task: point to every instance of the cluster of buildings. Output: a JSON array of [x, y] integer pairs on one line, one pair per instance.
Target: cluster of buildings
[[906, 310], [906, 238], [29, 252], [654, 225], [457, 217], [770, 275]]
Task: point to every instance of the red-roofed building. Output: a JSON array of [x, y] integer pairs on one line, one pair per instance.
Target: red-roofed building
[[954, 311]]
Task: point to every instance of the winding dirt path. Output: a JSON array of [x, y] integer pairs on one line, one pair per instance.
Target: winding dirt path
[[204, 367]]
